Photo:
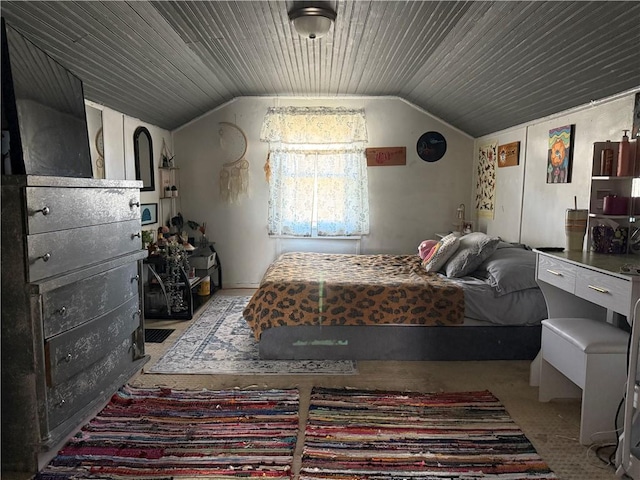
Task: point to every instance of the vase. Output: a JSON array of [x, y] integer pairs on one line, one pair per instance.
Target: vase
[[204, 241]]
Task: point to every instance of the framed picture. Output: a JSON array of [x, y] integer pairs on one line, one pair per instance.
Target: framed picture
[[149, 213], [508, 154], [560, 157]]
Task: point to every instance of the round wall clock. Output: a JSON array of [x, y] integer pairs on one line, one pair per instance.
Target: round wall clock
[[431, 146]]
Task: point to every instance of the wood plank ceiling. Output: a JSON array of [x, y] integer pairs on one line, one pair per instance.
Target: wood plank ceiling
[[480, 66]]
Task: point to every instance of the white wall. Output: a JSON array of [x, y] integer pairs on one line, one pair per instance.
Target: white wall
[[407, 203], [541, 219], [118, 132]]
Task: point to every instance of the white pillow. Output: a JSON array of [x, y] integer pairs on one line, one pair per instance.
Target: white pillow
[[444, 250], [474, 249]]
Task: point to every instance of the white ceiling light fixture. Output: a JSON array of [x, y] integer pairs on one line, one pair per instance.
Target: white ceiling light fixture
[[312, 22]]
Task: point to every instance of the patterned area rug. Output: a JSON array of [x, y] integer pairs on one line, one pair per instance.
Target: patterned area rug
[[220, 342], [162, 434], [390, 435]]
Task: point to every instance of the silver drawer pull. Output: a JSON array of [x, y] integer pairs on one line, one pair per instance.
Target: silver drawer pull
[[553, 272], [135, 279], [46, 257], [44, 211], [137, 313], [61, 403], [133, 203], [134, 235], [62, 310], [68, 358], [598, 289]]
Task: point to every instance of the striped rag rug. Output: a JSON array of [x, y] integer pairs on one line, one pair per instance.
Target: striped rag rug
[[391, 435], [160, 433]]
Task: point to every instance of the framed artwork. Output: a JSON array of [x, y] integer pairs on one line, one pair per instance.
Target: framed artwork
[[431, 146], [149, 213], [560, 154], [509, 154], [486, 180]]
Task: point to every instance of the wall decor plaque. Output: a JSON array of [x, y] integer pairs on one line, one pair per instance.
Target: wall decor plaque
[[508, 154], [383, 156]]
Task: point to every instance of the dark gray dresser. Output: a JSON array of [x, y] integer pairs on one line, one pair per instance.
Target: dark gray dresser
[[72, 329]]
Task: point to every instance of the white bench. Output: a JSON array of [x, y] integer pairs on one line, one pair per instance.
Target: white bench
[[588, 358]]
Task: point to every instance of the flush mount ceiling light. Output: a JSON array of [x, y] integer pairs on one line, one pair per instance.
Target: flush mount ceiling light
[[312, 22]]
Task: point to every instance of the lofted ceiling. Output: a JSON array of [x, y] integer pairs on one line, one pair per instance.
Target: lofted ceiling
[[480, 66]]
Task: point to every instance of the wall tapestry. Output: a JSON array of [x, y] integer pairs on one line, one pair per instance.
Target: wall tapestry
[[508, 154], [560, 155], [486, 180]]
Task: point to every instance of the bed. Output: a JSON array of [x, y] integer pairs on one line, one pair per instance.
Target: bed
[[388, 307]]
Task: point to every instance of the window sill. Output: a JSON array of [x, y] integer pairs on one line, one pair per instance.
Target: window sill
[[294, 237]]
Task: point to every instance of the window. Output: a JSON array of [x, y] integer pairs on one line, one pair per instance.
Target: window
[[318, 172]]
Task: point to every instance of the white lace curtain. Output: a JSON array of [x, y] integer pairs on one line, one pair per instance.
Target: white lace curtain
[[317, 171], [314, 125]]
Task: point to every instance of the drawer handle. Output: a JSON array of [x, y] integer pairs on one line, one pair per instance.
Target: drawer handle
[[46, 257], [61, 403], [44, 211], [137, 313], [598, 289], [135, 279], [134, 235], [68, 357], [133, 203], [553, 272], [62, 310]]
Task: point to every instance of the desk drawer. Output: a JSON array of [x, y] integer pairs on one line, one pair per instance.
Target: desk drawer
[[556, 272], [605, 290], [50, 208], [54, 253]]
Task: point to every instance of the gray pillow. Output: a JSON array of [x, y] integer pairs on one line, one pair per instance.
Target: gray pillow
[[509, 270], [474, 249]]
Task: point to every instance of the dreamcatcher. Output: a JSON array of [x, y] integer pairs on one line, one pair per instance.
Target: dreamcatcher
[[234, 176]]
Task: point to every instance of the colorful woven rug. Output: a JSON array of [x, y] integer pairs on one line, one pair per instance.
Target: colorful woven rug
[[164, 433], [220, 342], [390, 435]]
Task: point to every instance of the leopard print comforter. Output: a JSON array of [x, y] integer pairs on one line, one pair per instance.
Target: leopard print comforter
[[338, 289]]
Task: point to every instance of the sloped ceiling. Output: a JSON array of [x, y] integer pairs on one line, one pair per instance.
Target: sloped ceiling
[[480, 66]]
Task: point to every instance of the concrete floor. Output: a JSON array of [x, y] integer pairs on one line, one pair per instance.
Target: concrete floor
[[552, 427]]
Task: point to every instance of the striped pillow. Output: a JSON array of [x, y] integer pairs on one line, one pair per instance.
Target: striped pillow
[[444, 249]]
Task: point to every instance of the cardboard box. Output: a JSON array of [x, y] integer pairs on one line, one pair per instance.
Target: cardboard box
[[202, 261]]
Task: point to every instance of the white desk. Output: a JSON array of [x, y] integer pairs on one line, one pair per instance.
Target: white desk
[[585, 285], [582, 284]]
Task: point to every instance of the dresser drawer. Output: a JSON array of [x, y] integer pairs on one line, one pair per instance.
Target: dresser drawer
[[605, 290], [69, 306], [58, 252], [76, 349], [51, 209], [556, 272], [64, 401]]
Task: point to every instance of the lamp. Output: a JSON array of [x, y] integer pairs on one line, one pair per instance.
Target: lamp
[[312, 22], [460, 217]]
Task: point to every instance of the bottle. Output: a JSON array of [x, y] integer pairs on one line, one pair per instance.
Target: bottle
[[623, 156], [606, 160]]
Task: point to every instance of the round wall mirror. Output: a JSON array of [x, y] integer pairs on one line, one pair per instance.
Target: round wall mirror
[[143, 153]]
